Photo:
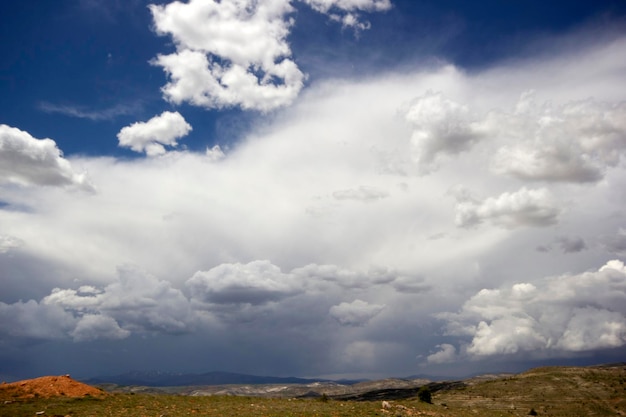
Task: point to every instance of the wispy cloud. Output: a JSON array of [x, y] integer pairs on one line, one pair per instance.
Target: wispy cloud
[[109, 113]]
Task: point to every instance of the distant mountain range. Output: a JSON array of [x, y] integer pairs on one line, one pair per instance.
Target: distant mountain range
[[170, 379]]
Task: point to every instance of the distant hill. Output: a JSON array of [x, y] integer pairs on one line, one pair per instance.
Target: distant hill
[[168, 379]]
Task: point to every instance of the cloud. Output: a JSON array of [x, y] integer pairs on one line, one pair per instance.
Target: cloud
[[356, 313], [525, 207], [95, 115], [95, 326], [616, 244], [570, 313], [258, 282], [215, 153], [33, 322], [440, 126], [573, 142], [25, 160], [344, 11], [363, 193], [345, 277], [324, 6], [572, 244], [150, 136], [8, 243], [235, 53], [447, 353], [229, 53], [268, 270], [136, 303]]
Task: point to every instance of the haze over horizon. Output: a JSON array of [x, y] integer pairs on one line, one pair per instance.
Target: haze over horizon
[[311, 187]]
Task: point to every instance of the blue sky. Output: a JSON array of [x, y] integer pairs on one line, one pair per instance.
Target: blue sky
[[387, 187]]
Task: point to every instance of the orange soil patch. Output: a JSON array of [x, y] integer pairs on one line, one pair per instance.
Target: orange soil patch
[[46, 387]]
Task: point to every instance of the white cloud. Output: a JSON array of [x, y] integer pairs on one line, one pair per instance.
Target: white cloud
[[447, 353], [255, 283], [573, 142], [229, 53], [150, 136], [525, 207], [570, 313], [96, 115], [7, 243], [324, 6], [25, 160], [345, 11], [356, 313], [440, 126], [215, 153], [235, 52]]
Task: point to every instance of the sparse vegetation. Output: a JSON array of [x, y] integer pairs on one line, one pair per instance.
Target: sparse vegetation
[[554, 391], [425, 395]]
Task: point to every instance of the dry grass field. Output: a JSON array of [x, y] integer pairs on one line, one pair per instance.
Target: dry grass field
[[551, 391]]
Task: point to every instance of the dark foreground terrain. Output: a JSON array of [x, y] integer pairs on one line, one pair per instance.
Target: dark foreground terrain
[[549, 391]]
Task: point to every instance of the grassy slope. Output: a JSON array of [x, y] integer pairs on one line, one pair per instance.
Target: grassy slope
[[554, 391]]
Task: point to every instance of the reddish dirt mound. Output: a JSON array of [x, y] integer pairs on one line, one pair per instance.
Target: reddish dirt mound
[[46, 387]]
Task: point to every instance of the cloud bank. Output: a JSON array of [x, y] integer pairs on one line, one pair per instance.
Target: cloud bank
[[375, 224]]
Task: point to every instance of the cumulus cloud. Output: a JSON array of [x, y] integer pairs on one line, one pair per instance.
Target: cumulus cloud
[[575, 141], [254, 283], [440, 126], [229, 53], [525, 207], [31, 321], [136, 303], [356, 313], [572, 142], [25, 160], [215, 153], [571, 313], [235, 52], [446, 353], [150, 136]]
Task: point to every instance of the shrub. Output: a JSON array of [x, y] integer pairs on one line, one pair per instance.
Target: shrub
[[532, 412], [425, 395]]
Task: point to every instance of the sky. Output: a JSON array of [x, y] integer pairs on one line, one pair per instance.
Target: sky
[[315, 188]]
